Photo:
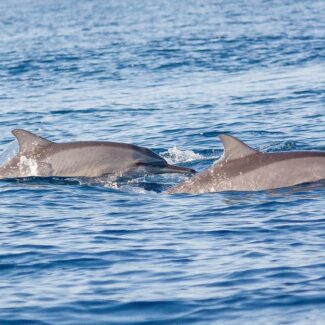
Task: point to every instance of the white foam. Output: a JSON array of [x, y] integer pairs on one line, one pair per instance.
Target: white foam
[[175, 156]]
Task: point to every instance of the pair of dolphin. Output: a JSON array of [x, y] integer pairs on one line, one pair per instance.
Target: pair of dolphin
[[241, 168]]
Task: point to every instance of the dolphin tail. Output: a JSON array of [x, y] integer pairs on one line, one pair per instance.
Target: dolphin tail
[[177, 169]]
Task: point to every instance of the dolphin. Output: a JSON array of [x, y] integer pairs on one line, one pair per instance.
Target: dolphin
[[40, 157], [242, 168]]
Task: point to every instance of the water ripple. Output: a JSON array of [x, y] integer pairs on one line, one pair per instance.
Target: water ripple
[[171, 76]]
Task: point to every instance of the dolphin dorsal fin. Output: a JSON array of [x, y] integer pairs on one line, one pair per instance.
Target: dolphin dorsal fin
[[234, 148], [29, 141]]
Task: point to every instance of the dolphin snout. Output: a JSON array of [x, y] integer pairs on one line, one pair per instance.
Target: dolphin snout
[[178, 169]]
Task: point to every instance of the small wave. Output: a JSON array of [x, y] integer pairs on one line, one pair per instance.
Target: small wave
[[10, 151], [174, 155], [282, 146], [135, 189]]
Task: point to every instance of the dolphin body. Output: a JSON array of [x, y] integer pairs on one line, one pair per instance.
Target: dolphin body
[[242, 168], [40, 157]]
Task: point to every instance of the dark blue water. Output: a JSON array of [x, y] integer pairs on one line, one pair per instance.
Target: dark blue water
[[170, 76]]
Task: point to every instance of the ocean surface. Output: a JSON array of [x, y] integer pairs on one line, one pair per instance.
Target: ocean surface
[[170, 76]]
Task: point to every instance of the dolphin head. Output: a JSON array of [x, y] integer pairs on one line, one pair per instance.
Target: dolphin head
[[162, 167], [152, 163]]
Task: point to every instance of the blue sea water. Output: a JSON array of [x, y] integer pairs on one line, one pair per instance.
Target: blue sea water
[[170, 76]]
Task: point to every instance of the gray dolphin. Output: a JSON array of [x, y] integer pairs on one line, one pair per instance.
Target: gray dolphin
[[242, 168], [40, 157]]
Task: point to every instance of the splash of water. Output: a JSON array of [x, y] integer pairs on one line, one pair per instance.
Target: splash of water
[[28, 166], [175, 156]]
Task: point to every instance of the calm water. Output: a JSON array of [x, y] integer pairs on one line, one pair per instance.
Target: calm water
[[168, 75]]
